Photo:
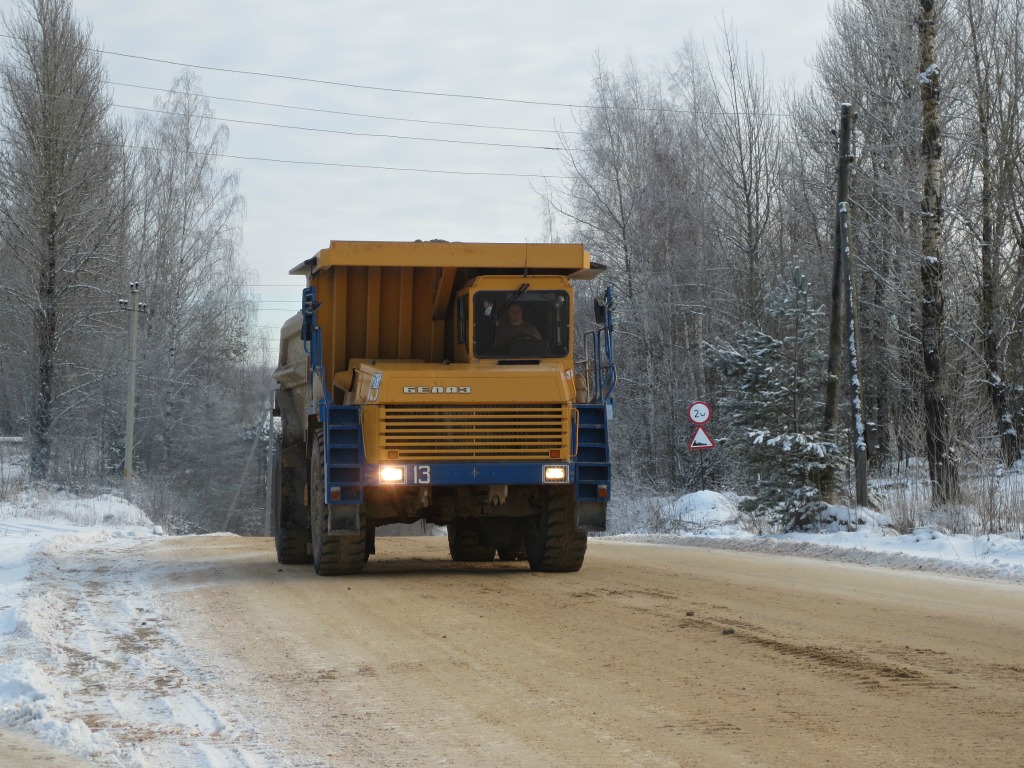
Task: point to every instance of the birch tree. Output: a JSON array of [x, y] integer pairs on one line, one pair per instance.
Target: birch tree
[[196, 341]]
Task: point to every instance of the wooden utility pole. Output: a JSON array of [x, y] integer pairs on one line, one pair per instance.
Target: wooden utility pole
[[844, 305], [835, 330]]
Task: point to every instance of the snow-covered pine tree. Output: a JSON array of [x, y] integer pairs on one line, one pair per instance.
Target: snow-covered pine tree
[[771, 406]]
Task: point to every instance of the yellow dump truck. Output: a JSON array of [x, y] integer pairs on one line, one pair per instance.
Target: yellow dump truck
[[443, 382]]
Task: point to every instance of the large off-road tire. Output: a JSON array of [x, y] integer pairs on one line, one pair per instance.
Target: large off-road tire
[[290, 539], [464, 542], [334, 554], [553, 542], [292, 545]]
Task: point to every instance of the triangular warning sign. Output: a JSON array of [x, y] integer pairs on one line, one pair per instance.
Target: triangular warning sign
[[701, 440]]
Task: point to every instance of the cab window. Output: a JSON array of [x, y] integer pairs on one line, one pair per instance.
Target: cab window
[[520, 324]]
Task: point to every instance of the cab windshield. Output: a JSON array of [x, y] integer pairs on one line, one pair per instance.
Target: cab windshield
[[521, 324]]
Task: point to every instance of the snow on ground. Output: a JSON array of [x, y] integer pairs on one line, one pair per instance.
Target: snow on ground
[[709, 519], [88, 665]]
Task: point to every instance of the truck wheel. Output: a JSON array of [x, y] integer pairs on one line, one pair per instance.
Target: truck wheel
[[464, 542], [333, 554], [292, 544], [290, 540], [553, 542]]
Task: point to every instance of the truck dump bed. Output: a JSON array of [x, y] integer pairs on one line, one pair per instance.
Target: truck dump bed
[[388, 300]]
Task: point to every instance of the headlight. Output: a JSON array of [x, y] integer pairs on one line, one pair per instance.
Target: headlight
[[392, 475], [556, 473]]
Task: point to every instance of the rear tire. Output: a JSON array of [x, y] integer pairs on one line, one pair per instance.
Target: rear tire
[[464, 542], [553, 542], [292, 545], [290, 540], [333, 554]]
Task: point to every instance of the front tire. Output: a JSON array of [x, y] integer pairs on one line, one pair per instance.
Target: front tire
[[333, 554], [553, 542]]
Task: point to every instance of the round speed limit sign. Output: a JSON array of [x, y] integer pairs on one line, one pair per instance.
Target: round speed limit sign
[[700, 413]]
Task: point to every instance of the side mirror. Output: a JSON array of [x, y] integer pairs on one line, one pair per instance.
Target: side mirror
[[309, 306], [600, 312]]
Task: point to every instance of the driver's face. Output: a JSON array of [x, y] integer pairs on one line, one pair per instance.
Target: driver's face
[[515, 314]]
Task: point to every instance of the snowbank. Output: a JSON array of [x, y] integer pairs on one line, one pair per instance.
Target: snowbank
[[857, 535]]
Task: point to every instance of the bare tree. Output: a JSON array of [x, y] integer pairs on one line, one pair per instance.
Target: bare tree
[[197, 340], [632, 201], [60, 166], [740, 136], [991, 42]]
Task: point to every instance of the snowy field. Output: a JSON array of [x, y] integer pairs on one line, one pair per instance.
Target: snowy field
[[74, 640]]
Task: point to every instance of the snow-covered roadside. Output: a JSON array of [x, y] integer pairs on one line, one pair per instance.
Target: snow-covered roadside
[[708, 519], [86, 663]]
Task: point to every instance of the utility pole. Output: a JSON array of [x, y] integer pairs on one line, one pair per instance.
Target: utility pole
[[835, 334], [135, 307]]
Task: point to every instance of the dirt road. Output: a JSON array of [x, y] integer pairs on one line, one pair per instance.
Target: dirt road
[[650, 656]]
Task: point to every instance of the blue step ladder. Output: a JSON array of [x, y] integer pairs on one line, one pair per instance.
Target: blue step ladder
[[344, 453], [593, 464]]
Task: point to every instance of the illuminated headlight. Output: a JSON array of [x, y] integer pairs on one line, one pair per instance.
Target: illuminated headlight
[[556, 473], [392, 475]]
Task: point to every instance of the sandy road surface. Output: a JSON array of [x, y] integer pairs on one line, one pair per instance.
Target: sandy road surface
[[650, 656], [19, 750]]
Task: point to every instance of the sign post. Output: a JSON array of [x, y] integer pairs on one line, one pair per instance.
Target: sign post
[[700, 414]]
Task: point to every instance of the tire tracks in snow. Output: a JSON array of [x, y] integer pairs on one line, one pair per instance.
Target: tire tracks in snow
[[101, 673]]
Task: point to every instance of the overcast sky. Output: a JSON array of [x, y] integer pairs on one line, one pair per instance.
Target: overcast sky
[[529, 50]]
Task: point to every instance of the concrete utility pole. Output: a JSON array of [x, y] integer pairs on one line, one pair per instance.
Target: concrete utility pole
[[135, 307]]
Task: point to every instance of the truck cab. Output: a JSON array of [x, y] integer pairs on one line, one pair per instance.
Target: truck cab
[[499, 323]]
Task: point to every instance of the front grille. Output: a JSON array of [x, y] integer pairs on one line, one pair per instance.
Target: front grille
[[440, 433]]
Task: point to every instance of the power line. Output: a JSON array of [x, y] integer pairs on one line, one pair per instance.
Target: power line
[[320, 110], [383, 167], [315, 130], [295, 78], [441, 94], [339, 132], [325, 164]]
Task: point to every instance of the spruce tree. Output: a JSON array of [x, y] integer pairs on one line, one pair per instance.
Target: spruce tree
[[771, 405]]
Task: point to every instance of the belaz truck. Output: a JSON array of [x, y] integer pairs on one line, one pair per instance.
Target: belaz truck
[[443, 382]]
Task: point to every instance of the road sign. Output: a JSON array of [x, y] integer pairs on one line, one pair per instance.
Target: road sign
[[700, 412], [701, 440]]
